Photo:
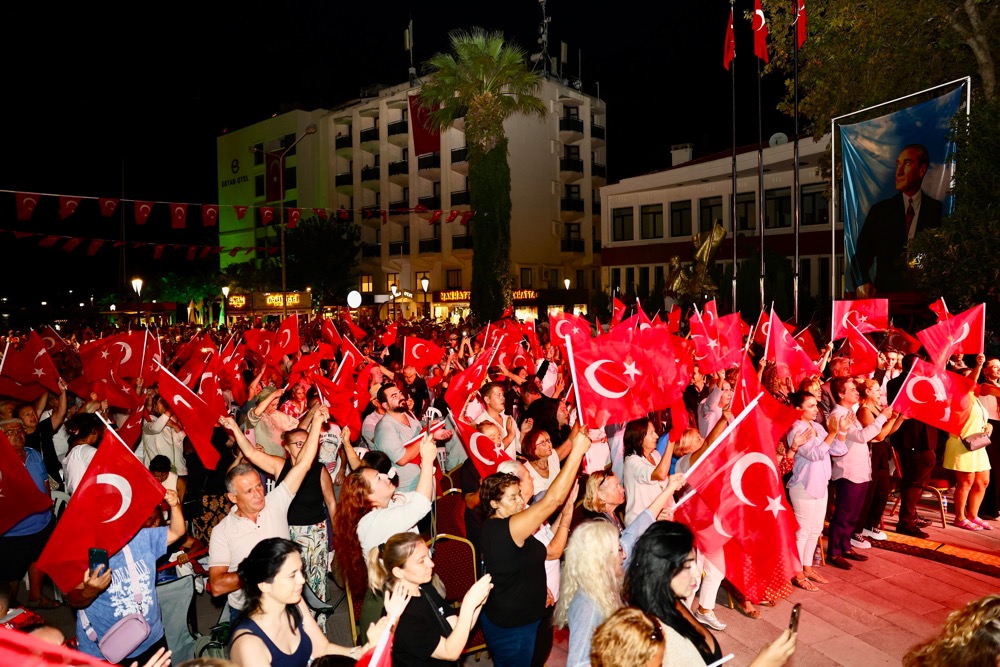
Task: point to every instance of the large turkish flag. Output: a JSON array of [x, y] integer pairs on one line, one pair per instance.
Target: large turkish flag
[[19, 496]]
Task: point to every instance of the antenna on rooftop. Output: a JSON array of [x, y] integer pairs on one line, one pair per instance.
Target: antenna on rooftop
[[543, 40], [408, 46]]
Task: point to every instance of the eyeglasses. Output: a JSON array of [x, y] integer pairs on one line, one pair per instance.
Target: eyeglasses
[[17, 429], [297, 443]]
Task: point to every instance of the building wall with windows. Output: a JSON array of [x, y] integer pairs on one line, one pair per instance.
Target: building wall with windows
[[648, 220], [362, 159]]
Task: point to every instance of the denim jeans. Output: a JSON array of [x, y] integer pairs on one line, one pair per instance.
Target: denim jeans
[[510, 647]]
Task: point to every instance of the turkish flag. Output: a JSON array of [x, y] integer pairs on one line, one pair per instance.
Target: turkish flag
[[286, 340], [340, 398], [357, 332], [463, 384], [747, 386], [535, 345], [864, 355], [568, 325], [608, 378], [718, 345], [96, 359], [142, 211], [466, 217], [273, 178], [389, 337], [19, 496], [902, 341], [108, 206], [266, 215], [53, 341], [786, 353], [259, 342], [152, 355], [232, 378], [20, 391], [866, 314], [940, 308], [759, 25], [194, 414], [964, 333], [93, 247], [739, 506], [329, 332], [209, 215], [190, 373], [674, 320], [293, 217], [115, 497], [618, 311], [483, 452], [522, 359], [425, 140], [350, 356], [800, 23], [729, 50], [131, 429], [20, 648], [764, 328], [32, 363], [67, 206], [936, 397], [322, 213], [240, 211], [420, 353], [131, 350], [26, 203], [808, 344]]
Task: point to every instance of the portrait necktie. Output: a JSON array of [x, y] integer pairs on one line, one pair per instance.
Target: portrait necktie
[[909, 215]]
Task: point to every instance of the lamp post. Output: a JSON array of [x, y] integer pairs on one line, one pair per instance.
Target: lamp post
[[310, 129], [137, 286], [566, 282], [225, 298], [424, 284], [395, 293]]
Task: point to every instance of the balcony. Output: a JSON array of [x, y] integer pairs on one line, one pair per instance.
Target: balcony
[[399, 172], [460, 199], [460, 160], [461, 242], [370, 177], [430, 245], [599, 174], [570, 169], [399, 248], [399, 211], [571, 245], [371, 250], [369, 140], [429, 166], [432, 203], [345, 183], [371, 216], [399, 133], [344, 144], [570, 208], [597, 135], [570, 129]]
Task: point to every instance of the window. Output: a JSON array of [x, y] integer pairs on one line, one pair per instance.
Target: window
[[258, 185], [571, 152], [644, 280], [658, 276], [815, 205], [824, 277], [778, 208], [289, 140], [291, 179], [454, 278], [746, 211], [416, 280], [366, 283], [571, 231], [526, 282], [710, 212], [651, 221], [580, 278], [572, 192], [616, 280], [570, 111], [805, 278], [630, 280], [680, 218], [622, 224], [390, 280]]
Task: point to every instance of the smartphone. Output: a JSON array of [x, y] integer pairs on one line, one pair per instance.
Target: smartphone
[[98, 557], [793, 622]]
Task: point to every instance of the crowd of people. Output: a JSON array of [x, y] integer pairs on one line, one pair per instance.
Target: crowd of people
[[575, 531]]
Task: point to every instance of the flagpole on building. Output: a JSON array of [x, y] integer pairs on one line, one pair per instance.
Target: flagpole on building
[[760, 183], [796, 198], [732, 198]]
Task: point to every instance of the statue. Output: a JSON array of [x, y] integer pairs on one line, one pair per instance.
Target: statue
[[691, 283]]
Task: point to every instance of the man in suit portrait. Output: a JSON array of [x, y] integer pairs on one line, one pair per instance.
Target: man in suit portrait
[[880, 258]]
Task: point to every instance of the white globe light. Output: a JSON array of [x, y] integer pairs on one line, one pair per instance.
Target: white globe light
[[354, 298]]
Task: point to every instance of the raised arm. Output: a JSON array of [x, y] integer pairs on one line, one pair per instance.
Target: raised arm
[[428, 455], [554, 549], [59, 414], [293, 480], [266, 462], [352, 456]]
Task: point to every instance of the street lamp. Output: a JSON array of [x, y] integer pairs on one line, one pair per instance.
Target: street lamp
[[225, 298], [137, 286], [395, 293], [424, 284], [310, 129], [566, 282]]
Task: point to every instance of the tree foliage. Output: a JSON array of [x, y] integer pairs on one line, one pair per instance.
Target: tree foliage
[[487, 80], [254, 276], [323, 255]]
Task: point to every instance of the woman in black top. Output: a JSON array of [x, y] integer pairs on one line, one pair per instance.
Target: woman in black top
[[429, 632], [516, 559]]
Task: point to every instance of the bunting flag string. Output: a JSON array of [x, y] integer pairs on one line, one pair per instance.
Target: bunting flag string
[[26, 203], [191, 251]]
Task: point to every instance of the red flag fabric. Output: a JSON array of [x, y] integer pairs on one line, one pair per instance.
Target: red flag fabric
[[389, 337], [764, 328], [902, 341], [321, 212], [266, 215], [209, 215], [747, 385], [466, 217], [293, 217], [190, 373], [424, 140], [739, 509], [864, 355], [330, 333], [759, 25], [32, 363], [384, 650], [568, 325], [259, 342], [729, 49], [534, 344], [71, 244], [964, 333], [273, 178], [618, 311], [20, 391], [789, 358], [131, 429], [194, 414], [53, 341], [240, 211], [483, 452], [108, 206], [357, 333], [609, 381], [351, 356], [940, 309], [340, 398], [420, 353], [67, 206], [866, 314], [808, 344], [20, 648], [465, 383], [210, 385], [717, 346], [142, 211], [26, 203], [93, 247], [19, 497], [113, 500], [674, 320], [800, 23], [286, 340], [936, 397], [131, 352]]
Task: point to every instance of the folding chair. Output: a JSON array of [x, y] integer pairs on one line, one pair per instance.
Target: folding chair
[[455, 564], [354, 603], [175, 598], [59, 501], [937, 485], [450, 513]]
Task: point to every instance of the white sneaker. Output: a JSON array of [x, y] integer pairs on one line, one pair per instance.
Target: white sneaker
[[873, 534], [859, 542], [708, 618]]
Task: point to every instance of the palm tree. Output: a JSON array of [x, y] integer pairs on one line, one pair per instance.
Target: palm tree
[[487, 80]]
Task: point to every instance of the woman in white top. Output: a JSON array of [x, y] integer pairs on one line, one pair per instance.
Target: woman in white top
[[711, 407], [647, 472], [164, 436], [543, 461]]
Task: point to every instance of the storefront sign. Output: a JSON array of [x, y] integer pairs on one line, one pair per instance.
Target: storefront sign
[[238, 301], [452, 296], [524, 295]]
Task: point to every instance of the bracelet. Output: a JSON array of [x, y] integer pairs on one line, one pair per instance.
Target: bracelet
[[561, 527]]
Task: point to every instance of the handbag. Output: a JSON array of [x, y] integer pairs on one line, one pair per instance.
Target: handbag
[[126, 635], [976, 441]]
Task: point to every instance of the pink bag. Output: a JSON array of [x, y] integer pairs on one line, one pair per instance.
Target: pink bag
[[125, 636]]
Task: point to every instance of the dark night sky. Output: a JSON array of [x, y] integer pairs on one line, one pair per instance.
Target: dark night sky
[[88, 92]]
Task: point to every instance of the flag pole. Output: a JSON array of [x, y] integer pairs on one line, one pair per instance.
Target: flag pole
[[718, 441], [760, 182], [576, 385], [732, 198], [796, 199], [110, 427], [3, 359]]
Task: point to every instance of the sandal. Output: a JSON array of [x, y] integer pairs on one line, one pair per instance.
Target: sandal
[[967, 525], [982, 524], [817, 577], [805, 584], [43, 603], [749, 613]]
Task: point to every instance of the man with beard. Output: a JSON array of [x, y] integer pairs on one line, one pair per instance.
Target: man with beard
[[394, 430]]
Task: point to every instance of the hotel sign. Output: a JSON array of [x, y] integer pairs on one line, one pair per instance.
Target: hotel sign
[[452, 296], [269, 300]]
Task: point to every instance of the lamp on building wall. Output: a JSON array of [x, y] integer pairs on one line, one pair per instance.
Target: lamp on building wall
[[137, 287], [225, 298], [566, 282], [424, 284], [310, 129], [395, 293]]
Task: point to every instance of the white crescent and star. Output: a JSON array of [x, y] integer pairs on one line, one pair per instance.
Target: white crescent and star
[[963, 334], [126, 352], [763, 21], [178, 400], [596, 385], [287, 335], [124, 488], [736, 480], [717, 524], [474, 447], [939, 393], [559, 329], [50, 342]]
